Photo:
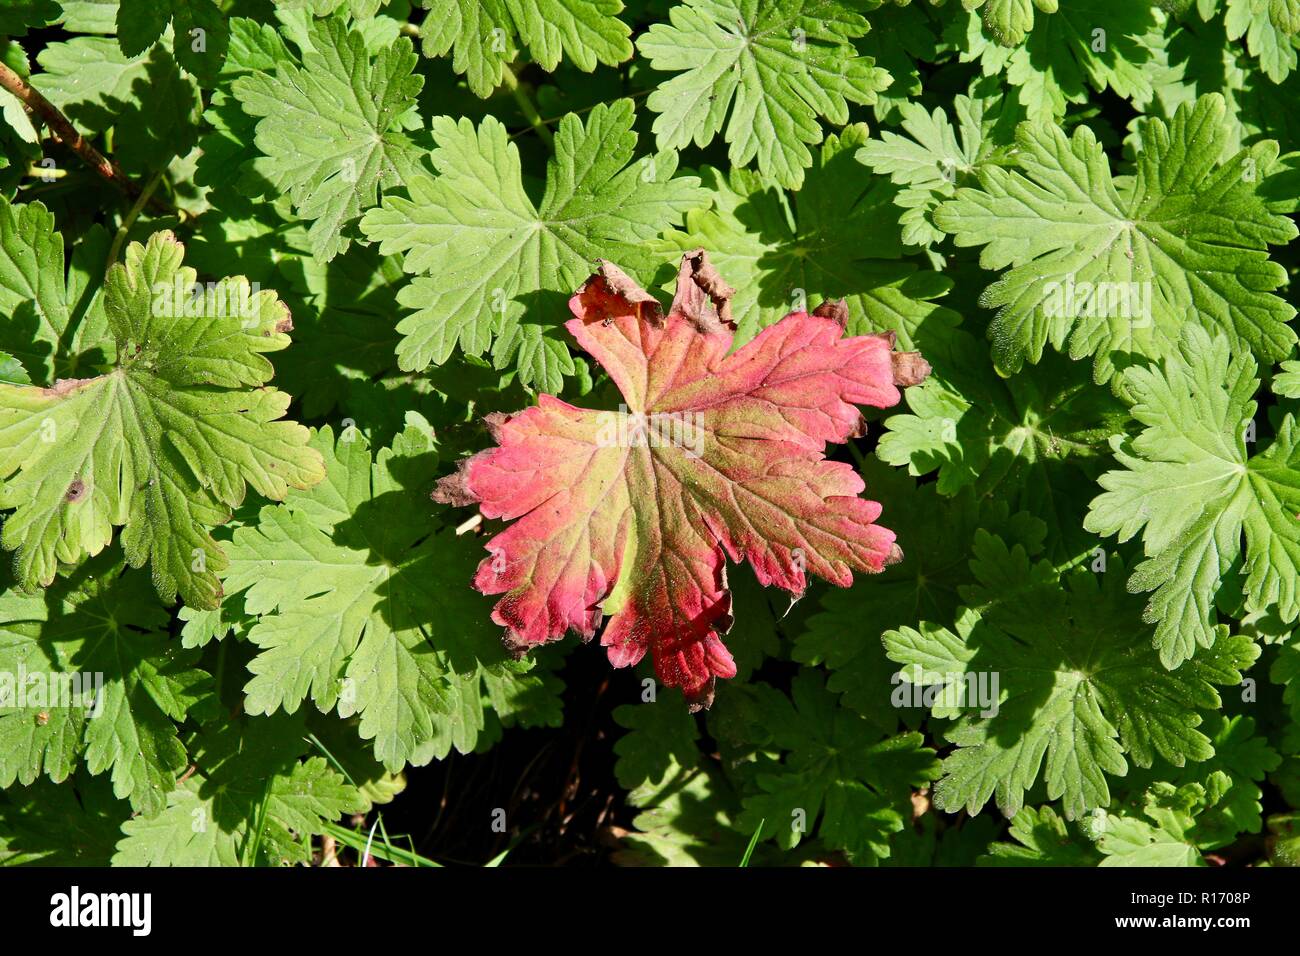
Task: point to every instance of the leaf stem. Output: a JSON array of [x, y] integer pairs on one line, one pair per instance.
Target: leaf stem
[[67, 134], [220, 675], [140, 202], [858, 456], [250, 858], [45, 172], [520, 93], [753, 842], [587, 109]]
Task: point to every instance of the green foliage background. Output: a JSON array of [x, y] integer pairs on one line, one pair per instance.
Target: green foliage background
[[1097, 506]]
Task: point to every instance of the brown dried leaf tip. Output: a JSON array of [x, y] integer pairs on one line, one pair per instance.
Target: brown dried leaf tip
[[452, 490], [838, 310], [909, 368], [702, 295], [622, 286]]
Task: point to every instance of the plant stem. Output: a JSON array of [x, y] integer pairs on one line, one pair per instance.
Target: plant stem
[[520, 93], [45, 172], [140, 202], [67, 134], [858, 456], [250, 859], [221, 667]]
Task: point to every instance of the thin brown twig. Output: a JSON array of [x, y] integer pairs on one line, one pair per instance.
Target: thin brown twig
[[67, 134]]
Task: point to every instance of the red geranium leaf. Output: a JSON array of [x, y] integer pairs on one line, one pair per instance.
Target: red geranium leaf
[[629, 515]]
